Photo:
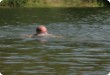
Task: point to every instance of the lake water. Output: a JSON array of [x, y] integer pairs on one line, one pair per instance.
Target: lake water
[[83, 49]]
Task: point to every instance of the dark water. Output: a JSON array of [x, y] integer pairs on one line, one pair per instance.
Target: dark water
[[84, 48]]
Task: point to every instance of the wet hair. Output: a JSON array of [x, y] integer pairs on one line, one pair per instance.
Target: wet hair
[[38, 30]]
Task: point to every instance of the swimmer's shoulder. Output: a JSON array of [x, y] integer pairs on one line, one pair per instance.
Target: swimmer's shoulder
[[43, 35]]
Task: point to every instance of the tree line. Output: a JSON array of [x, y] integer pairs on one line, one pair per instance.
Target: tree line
[[20, 3], [13, 3]]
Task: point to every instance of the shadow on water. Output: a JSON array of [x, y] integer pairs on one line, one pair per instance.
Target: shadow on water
[[83, 49]]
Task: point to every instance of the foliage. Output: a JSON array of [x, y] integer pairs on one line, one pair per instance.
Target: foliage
[[64, 3], [13, 3], [104, 3]]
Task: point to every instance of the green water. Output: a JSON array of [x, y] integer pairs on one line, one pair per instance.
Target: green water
[[83, 50]]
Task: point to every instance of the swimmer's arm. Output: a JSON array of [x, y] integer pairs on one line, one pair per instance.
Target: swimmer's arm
[[30, 36], [26, 36]]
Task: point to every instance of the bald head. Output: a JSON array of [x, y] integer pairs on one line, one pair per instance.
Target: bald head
[[41, 29]]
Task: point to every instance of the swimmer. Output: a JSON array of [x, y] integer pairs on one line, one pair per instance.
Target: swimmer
[[41, 31]]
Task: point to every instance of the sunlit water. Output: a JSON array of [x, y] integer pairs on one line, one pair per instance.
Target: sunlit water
[[83, 49]]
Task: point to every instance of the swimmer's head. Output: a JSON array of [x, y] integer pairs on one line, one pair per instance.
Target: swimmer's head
[[41, 29]]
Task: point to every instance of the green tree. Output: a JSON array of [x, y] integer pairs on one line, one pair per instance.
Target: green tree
[[13, 3], [19, 3]]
